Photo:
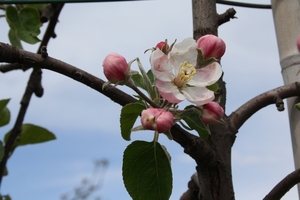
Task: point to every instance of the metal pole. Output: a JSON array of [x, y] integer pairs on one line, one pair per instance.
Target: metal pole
[[286, 15]]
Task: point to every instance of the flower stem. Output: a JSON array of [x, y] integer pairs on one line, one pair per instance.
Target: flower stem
[[132, 86]]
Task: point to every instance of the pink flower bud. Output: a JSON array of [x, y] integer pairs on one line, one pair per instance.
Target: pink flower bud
[[157, 119], [212, 113], [298, 42], [163, 46], [115, 68], [211, 46]]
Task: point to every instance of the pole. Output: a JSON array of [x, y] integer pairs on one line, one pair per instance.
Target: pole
[[286, 15]]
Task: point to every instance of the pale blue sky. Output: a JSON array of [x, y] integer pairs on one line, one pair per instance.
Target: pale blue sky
[[86, 123]]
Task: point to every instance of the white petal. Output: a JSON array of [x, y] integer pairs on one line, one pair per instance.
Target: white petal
[[207, 75], [160, 65], [169, 91], [184, 51], [198, 95]]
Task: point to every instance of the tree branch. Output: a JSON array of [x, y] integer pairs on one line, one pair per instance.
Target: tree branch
[[246, 5], [226, 16], [275, 96], [284, 186], [34, 86]]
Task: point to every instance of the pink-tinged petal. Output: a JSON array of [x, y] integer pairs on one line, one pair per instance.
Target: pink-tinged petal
[[207, 75], [198, 95], [184, 51], [169, 91], [160, 66]]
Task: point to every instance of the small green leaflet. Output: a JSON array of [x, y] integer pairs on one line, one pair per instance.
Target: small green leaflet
[[129, 114], [297, 106], [4, 112], [32, 134], [147, 173], [193, 120]]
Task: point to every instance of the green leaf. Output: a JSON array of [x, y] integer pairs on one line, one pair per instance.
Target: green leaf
[[14, 40], [214, 87], [139, 81], [27, 36], [12, 17], [151, 76], [30, 20], [38, 6], [4, 112], [193, 120], [129, 114], [297, 106], [147, 173], [32, 134]]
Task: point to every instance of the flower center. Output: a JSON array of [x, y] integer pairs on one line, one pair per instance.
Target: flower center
[[185, 74]]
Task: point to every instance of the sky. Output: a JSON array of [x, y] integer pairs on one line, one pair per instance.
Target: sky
[[86, 123]]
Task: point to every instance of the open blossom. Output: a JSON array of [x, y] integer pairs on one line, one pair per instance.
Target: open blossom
[[157, 119], [211, 46], [115, 68], [212, 113], [178, 79]]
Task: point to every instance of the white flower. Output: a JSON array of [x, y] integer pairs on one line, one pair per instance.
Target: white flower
[[178, 79]]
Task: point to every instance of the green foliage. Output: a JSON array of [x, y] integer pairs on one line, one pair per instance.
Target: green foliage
[[24, 25], [297, 106], [4, 112], [5, 197], [147, 173], [193, 120], [129, 114], [214, 87], [32, 134]]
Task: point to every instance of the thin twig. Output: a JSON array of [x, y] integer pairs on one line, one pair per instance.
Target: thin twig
[[33, 86]]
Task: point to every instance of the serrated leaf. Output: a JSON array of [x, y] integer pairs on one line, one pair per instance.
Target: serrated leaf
[[14, 40], [4, 112], [146, 170], [193, 120], [32, 134], [129, 114], [30, 20]]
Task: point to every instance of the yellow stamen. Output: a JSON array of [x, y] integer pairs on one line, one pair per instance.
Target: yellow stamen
[[184, 75]]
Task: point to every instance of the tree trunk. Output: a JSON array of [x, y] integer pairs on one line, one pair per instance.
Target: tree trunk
[[213, 168]]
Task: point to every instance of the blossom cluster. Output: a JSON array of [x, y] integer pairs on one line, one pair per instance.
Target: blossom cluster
[[182, 71]]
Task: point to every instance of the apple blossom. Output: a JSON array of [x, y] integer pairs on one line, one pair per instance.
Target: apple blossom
[[178, 79], [298, 42], [211, 46], [212, 113], [115, 68], [157, 119]]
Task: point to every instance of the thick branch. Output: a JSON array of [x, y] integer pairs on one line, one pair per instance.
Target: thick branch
[[275, 96], [284, 186], [199, 150]]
